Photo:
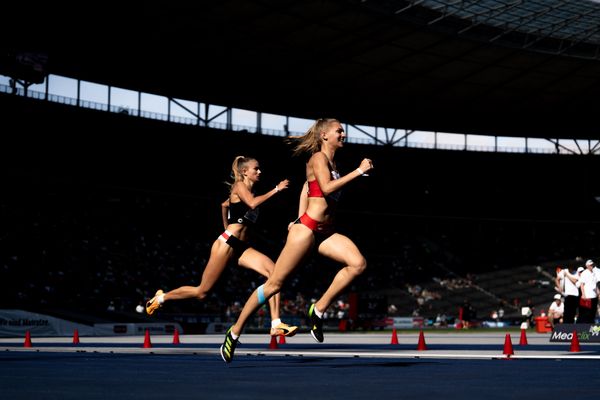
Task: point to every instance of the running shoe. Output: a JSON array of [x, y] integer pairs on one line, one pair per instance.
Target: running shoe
[[228, 347], [316, 324], [152, 305], [284, 329]]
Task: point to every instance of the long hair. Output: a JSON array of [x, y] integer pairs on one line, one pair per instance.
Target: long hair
[[237, 167], [311, 141]]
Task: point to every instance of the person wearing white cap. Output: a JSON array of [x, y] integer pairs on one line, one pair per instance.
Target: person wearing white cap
[[570, 290], [596, 272], [588, 304], [556, 311]]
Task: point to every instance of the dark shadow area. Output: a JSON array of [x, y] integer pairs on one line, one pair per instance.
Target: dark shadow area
[[100, 209]]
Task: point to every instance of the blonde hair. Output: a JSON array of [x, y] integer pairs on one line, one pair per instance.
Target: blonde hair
[[237, 168], [311, 141]]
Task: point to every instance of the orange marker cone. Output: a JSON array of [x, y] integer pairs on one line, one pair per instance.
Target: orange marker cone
[[76, 337], [147, 343], [394, 336], [523, 340], [27, 340], [281, 339], [273, 344], [176, 336], [421, 345], [508, 348], [574, 343]]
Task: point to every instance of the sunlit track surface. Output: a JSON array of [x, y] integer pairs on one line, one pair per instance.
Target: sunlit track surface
[[438, 345], [346, 366]]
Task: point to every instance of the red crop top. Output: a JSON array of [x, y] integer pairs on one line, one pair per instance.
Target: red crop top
[[314, 190]]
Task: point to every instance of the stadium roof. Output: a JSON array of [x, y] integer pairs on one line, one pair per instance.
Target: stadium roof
[[515, 68]]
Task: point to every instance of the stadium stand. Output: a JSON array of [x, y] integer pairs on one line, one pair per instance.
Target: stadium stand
[[96, 217]]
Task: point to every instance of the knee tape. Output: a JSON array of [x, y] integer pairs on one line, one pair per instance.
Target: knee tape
[[261, 295]]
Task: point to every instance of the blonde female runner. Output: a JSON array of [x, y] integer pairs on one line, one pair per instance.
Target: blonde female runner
[[314, 227], [239, 211]]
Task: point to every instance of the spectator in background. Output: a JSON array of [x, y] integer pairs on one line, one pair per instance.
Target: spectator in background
[[567, 283], [527, 314], [559, 281], [588, 304], [596, 272], [556, 311], [468, 314]]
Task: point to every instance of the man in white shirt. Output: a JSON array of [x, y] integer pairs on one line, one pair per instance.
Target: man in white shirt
[[571, 293], [556, 311], [596, 272], [588, 304]]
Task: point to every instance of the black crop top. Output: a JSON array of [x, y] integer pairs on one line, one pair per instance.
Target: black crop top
[[240, 213]]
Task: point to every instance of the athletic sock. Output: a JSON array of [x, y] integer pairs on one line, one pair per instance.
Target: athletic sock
[[319, 313]]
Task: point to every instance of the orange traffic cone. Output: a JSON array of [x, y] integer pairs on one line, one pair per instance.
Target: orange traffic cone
[[421, 345], [523, 340], [574, 343], [27, 340], [508, 348], [76, 337], [176, 336], [147, 343], [394, 336], [273, 344], [281, 339]]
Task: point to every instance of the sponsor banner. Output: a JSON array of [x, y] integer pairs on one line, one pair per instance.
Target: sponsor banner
[[217, 327], [406, 322], [496, 324], [14, 323], [586, 333], [128, 329]]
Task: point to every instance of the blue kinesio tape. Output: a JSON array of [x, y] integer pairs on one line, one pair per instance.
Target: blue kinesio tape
[[261, 294]]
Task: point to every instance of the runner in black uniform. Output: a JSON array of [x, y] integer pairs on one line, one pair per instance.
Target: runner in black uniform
[[239, 211]]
